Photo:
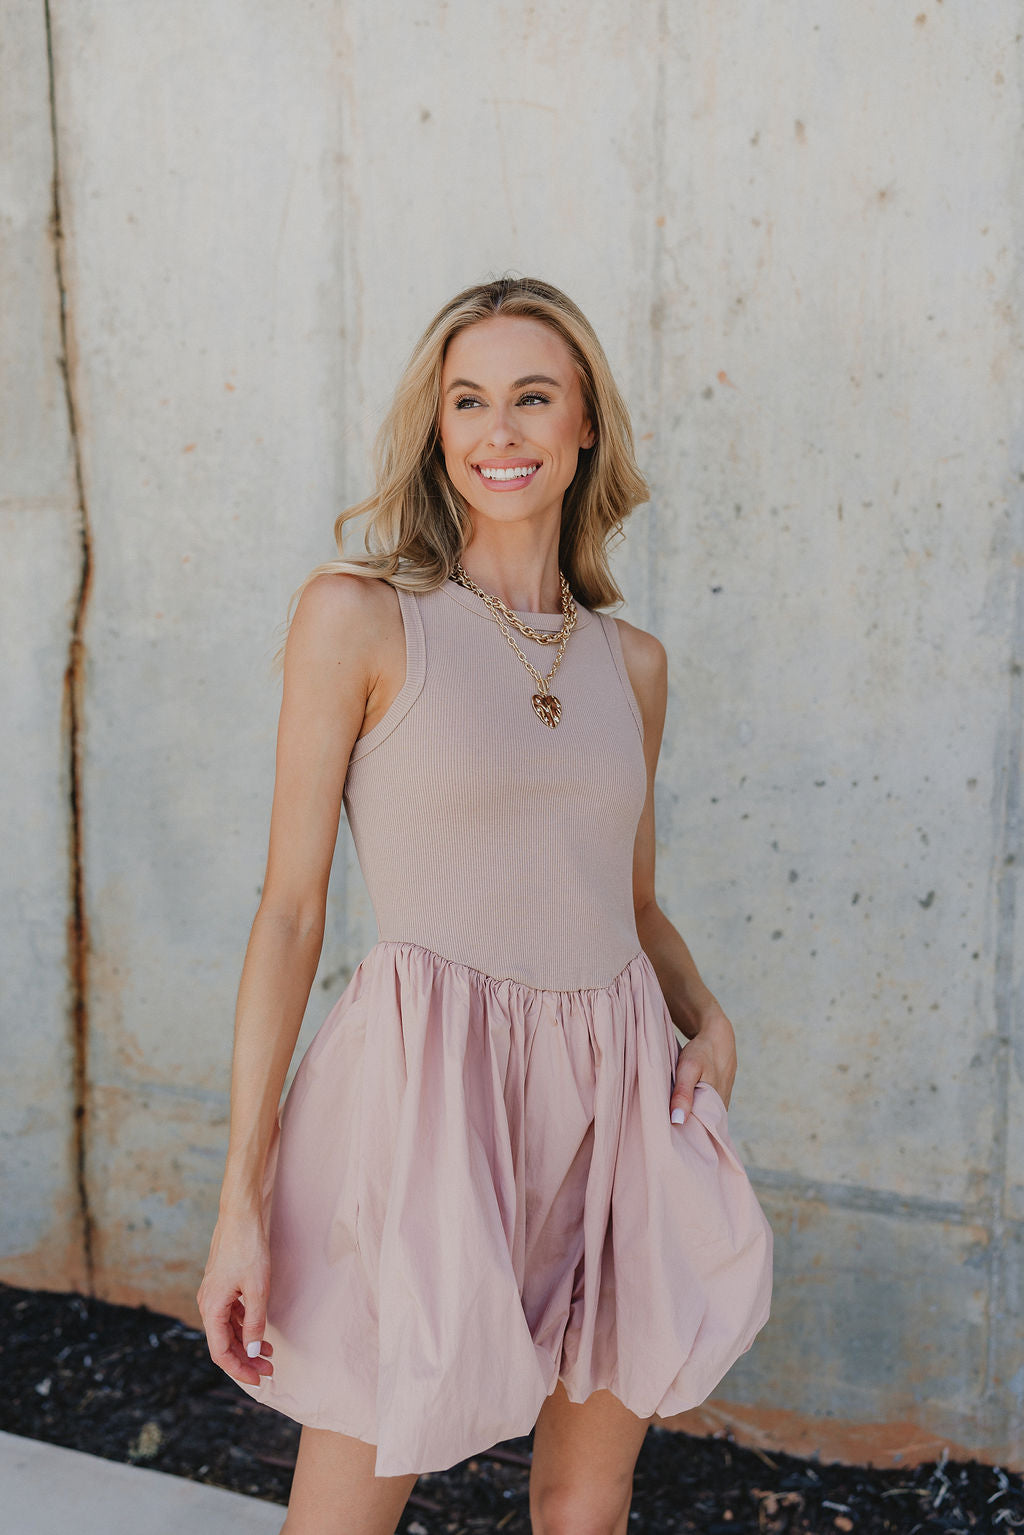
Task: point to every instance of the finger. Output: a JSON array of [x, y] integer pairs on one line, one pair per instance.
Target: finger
[[241, 1354], [681, 1101], [254, 1323], [226, 1351], [265, 1351]]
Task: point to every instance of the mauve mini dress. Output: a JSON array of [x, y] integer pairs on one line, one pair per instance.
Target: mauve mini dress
[[474, 1188]]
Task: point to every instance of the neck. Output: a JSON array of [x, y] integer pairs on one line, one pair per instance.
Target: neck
[[522, 575]]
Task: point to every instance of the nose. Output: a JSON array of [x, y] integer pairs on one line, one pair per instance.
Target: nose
[[501, 429]]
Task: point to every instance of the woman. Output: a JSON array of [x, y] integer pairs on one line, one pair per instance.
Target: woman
[[498, 1194]]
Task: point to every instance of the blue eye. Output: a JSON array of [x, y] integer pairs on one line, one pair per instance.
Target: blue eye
[[466, 399], [534, 397]]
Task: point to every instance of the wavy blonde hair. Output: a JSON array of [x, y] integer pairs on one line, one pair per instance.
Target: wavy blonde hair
[[418, 523]]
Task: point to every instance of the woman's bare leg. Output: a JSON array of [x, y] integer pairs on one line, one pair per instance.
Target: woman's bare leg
[[334, 1490], [584, 1456]]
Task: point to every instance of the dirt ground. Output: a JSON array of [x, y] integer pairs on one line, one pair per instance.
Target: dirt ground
[[132, 1385]]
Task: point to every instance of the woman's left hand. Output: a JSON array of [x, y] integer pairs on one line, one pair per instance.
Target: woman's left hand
[[710, 1056]]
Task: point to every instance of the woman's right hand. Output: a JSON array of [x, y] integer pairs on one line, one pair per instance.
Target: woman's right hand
[[232, 1298]]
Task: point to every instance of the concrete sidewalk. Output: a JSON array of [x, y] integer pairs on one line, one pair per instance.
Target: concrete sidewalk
[[46, 1490]]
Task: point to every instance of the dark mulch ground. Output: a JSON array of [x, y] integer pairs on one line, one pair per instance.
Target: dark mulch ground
[[132, 1385]]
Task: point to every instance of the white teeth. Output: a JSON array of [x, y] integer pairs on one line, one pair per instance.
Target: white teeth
[[508, 474]]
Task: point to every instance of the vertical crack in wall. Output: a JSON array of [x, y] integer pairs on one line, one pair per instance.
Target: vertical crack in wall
[[1009, 853], [73, 703]]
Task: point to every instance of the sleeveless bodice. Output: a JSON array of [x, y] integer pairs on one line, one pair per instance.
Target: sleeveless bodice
[[485, 835]]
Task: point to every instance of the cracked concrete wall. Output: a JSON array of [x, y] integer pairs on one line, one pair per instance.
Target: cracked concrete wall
[[40, 1233], [799, 236]]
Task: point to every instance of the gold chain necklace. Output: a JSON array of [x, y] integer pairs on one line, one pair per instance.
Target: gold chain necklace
[[546, 706], [545, 636]]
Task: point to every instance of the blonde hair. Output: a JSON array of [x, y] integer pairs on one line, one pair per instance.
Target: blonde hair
[[418, 522]]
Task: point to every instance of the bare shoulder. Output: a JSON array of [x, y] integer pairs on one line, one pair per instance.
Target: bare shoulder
[[647, 666], [645, 656], [341, 615]]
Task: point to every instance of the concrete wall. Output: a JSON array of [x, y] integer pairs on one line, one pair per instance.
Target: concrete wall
[[797, 229]]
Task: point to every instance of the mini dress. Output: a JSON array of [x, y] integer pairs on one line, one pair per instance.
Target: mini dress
[[473, 1187]]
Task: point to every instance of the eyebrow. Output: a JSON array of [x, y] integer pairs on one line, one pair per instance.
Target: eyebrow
[[520, 383]]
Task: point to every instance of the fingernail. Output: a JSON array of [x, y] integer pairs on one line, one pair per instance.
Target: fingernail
[[679, 1116], [253, 1348]]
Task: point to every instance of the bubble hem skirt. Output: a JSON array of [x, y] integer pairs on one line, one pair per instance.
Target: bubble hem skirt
[[474, 1190]]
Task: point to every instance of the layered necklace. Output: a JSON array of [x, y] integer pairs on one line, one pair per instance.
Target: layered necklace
[[546, 706]]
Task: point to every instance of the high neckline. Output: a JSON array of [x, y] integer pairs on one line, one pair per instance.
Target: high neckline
[[475, 604]]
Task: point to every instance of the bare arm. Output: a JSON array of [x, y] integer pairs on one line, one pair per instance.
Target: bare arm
[[710, 1053], [329, 673]]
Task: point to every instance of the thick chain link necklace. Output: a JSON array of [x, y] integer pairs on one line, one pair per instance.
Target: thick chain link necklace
[[546, 706]]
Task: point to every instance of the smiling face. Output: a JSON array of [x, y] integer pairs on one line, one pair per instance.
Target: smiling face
[[512, 418]]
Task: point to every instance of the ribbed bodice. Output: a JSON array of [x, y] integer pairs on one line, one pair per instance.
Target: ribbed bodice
[[485, 835]]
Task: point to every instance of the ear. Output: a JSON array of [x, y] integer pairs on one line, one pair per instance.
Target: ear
[[588, 436]]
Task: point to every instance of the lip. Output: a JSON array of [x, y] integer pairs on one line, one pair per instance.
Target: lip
[[507, 463]]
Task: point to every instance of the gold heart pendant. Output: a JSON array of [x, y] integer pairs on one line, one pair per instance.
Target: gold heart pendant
[[547, 708]]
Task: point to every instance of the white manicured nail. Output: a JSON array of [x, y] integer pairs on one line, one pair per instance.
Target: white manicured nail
[[679, 1116], [253, 1348]]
